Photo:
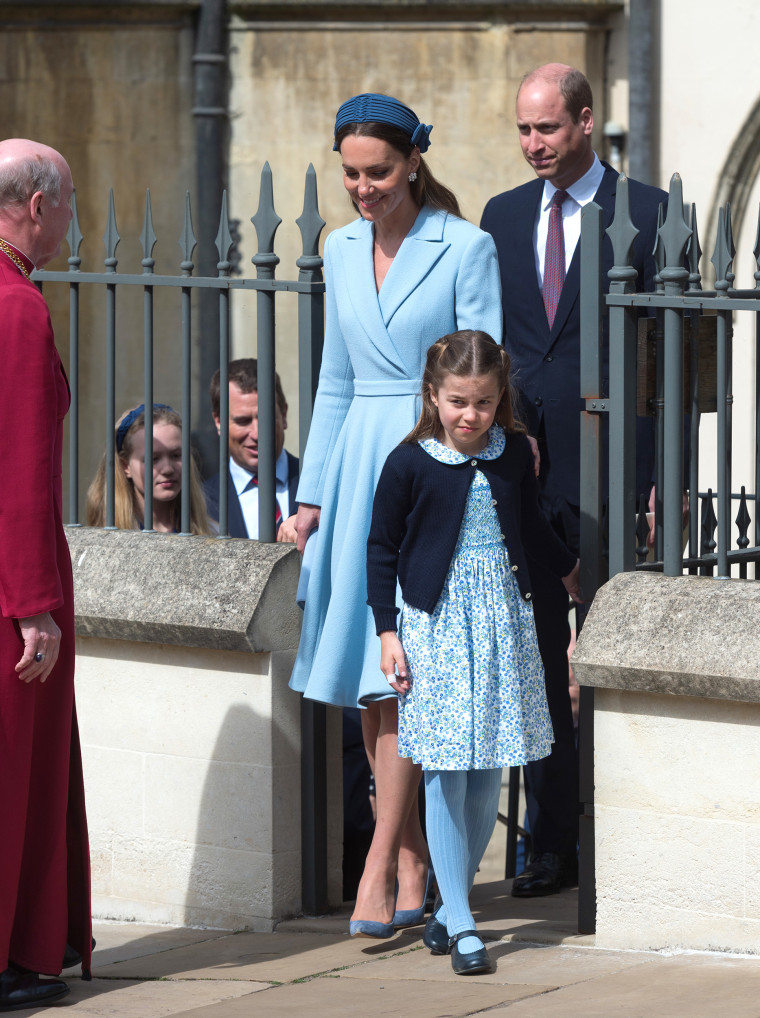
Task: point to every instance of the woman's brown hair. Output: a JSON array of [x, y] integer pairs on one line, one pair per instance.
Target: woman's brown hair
[[426, 189], [464, 354]]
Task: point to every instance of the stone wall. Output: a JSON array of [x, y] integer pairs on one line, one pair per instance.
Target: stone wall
[[675, 666], [190, 734]]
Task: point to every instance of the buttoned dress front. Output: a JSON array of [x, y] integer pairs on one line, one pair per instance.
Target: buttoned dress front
[[444, 278], [477, 699]]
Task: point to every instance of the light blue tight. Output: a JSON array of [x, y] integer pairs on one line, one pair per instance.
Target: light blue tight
[[460, 814]]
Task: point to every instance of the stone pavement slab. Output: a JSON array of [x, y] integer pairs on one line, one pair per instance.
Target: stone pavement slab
[[265, 957], [310, 968], [120, 941], [691, 986], [116, 998], [336, 997], [513, 963]]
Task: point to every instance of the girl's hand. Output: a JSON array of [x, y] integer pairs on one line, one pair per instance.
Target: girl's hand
[[393, 662], [307, 518], [536, 454], [572, 583]]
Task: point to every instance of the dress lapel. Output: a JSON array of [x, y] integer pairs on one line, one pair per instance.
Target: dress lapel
[[358, 275], [421, 249]]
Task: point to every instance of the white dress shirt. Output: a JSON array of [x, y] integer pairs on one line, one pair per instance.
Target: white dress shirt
[[249, 499], [579, 194]]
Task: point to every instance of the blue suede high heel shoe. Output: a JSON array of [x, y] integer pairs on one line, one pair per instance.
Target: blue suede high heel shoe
[[405, 917], [372, 928]]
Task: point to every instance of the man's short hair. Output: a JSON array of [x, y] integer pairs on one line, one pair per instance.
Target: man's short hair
[[575, 90], [573, 86], [245, 374], [22, 178]]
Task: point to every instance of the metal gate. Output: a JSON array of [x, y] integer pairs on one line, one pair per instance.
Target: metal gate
[[670, 357]]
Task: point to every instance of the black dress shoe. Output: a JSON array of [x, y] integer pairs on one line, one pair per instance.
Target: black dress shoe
[[72, 957], [436, 936], [545, 874], [25, 989], [473, 963]]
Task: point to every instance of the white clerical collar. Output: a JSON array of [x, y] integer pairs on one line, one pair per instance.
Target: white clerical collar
[[241, 478], [583, 190]]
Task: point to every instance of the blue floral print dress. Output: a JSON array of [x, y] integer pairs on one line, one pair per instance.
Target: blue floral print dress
[[478, 699]]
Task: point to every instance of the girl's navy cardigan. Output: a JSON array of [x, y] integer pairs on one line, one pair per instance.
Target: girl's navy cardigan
[[417, 514]]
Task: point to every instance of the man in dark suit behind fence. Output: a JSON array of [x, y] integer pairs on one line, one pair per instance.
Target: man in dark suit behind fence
[[242, 477], [536, 228]]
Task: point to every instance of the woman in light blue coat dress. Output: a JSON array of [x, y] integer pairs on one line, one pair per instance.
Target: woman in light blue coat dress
[[409, 271]]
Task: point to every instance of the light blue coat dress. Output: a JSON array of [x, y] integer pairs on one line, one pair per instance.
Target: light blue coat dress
[[445, 277]]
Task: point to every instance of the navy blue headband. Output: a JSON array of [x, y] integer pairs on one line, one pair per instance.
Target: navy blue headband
[[372, 107], [130, 419]]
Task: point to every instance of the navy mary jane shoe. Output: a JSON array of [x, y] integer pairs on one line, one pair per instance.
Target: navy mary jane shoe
[[473, 963]]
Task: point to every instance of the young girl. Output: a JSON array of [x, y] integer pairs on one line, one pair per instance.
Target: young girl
[[129, 476], [454, 516]]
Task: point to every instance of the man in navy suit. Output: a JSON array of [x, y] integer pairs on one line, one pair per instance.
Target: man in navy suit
[[242, 477], [555, 123]]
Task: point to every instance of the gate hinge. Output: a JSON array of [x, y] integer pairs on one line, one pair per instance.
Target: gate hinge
[[598, 406]]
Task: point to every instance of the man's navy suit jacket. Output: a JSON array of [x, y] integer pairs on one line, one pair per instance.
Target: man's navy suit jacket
[[546, 362], [235, 520]]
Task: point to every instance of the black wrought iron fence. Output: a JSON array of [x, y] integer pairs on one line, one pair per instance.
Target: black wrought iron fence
[[670, 357], [308, 287]]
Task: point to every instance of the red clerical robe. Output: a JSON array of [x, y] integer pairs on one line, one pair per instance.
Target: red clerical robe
[[44, 854]]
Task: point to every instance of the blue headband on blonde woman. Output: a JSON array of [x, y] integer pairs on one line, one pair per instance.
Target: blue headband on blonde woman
[[130, 419], [372, 107]]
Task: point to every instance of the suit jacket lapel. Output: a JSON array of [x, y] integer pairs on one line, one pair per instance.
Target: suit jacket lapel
[[235, 522], [519, 233], [605, 199]]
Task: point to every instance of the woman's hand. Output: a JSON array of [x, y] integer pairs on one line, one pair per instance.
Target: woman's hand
[[287, 532], [41, 637], [393, 662], [307, 518], [572, 583]]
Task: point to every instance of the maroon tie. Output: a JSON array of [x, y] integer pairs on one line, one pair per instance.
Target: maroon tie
[[254, 483], [554, 259]]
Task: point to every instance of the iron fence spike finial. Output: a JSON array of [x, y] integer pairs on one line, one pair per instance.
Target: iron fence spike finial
[[148, 237], [622, 234], [721, 257], [187, 241], [675, 231], [730, 232], [694, 253], [74, 236], [743, 521], [111, 237], [730, 243], [224, 239], [265, 222], [311, 224]]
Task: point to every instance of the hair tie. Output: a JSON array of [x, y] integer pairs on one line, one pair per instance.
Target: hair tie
[[129, 420], [372, 107]]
